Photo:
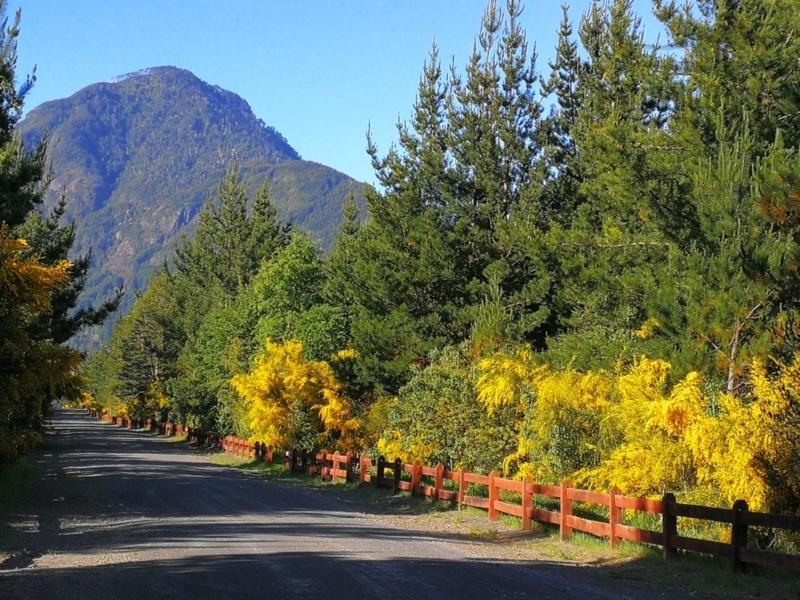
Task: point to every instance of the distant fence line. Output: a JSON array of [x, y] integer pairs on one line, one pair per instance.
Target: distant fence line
[[517, 498]]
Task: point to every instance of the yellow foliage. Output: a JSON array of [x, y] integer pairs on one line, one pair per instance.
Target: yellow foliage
[[735, 448], [390, 446], [26, 280], [346, 354], [562, 424], [86, 400], [647, 329], [505, 377], [280, 377], [628, 429]]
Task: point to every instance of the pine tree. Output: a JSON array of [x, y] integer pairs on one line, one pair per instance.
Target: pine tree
[[396, 279], [148, 350], [350, 220], [227, 248], [22, 170], [739, 58], [39, 285], [614, 248], [460, 206], [267, 234], [733, 294], [52, 243], [562, 168]]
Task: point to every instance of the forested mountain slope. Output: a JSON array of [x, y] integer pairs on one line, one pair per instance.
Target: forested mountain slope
[[137, 156]]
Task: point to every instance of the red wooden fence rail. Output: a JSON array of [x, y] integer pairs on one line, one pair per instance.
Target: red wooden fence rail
[[517, 498]]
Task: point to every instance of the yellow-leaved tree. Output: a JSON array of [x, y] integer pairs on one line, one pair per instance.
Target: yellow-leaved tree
[[32, 368], [292, 401]]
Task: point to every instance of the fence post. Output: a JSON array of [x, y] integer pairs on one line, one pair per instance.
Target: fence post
[[738, 535], [614, 515], [462, 487], [565, 531], [438, 481], [416, 476], [669, 522], [269, 456], [379, 472], [527, 505], [349, 467], [304, 463], [364, 463], [492, 497], [398, 470]]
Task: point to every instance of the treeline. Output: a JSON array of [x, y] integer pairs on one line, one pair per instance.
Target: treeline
[[39, 285], [587, 270]]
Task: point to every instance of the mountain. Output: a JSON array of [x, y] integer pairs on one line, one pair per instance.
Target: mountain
[[137, 157]]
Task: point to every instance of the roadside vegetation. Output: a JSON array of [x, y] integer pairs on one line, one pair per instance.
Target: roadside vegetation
[[40, 278]]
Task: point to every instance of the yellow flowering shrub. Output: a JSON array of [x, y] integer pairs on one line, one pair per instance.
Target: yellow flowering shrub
[[25, 280], [505, 377], [391, 447], [563, 430], [630, 429], [282, 377], [751, 449], [650, 419]]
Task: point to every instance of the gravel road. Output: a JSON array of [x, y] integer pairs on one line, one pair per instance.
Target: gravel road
[[121, 514]]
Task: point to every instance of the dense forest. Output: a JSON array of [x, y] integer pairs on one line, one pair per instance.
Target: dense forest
[[589, 268]]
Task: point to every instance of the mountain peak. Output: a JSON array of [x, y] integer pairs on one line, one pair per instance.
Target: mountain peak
[[154, 71]]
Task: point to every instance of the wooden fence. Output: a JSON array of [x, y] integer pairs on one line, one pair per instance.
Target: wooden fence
[[530, 502]]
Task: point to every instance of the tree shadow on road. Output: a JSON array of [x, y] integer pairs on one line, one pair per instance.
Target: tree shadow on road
[[131, 516]]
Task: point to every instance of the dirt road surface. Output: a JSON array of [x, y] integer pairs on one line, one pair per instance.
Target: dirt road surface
[[120, 514]]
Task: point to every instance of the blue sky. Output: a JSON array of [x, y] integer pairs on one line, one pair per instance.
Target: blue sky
[[318, 71]]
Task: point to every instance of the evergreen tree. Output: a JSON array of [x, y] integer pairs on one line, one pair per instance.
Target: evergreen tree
[[148, 349], [52, 242], [614, 247], [267, 234], [460, 205], [397, 278], [36, 288], [739, 58], [562, 168], [226, 250], [23, 174]]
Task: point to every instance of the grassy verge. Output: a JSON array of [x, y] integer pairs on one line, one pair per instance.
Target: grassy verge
[[695, 575], [16, 482]]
